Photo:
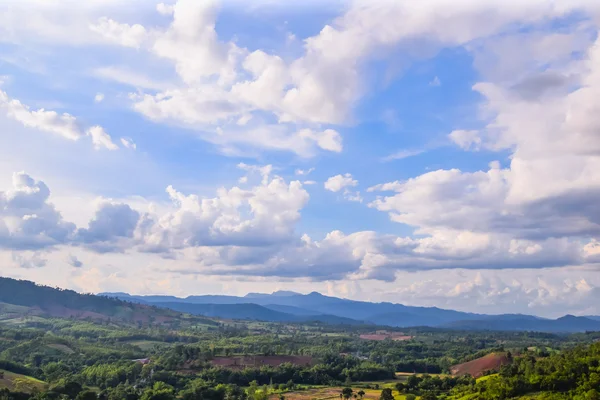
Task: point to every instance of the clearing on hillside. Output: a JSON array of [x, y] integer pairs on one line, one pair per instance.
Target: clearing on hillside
[[20, 383], [476, 368]]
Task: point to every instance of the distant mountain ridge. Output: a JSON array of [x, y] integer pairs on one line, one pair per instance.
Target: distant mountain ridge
[[292, 306], [19, 298]]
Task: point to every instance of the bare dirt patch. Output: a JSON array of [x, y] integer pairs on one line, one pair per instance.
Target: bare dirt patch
[[478, 367]]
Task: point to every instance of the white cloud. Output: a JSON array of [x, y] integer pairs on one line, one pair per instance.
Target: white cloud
[[128, 143], [435, 81], [123, 34], [165, 9], [64, 124], [99, 97], [329, 139], [339, 182], [402, 154], [303, 172], [101, 139], [226, 83], [466, 140], [541, 209]]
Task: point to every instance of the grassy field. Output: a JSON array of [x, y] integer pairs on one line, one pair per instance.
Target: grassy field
[[20, 383]]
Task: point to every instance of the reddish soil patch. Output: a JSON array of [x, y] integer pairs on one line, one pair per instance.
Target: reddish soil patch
[[241, 362], [478, 367]]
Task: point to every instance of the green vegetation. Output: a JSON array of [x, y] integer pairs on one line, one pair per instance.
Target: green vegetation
[[167, 355]]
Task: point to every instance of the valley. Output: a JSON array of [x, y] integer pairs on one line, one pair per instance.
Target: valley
[[59, 344]]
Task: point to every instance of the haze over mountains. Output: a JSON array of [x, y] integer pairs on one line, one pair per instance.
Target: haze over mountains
[[24, 298], [295, 307]]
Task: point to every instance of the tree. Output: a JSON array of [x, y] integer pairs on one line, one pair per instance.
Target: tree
[[400, 387], [160, 391], [87, 395], [410, 396], [592, 395], [386, 394], [361, 393], [429, 396], [347, 392]]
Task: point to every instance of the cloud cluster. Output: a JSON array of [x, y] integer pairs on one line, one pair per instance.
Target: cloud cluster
[[226, 86], [542, 208], [27, 219], [539, 209], [64, 124]]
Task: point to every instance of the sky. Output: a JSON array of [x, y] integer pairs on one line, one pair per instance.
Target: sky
[[433, 153]]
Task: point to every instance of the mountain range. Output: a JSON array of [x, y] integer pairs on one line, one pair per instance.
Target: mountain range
[[295, 307], [20, 299]]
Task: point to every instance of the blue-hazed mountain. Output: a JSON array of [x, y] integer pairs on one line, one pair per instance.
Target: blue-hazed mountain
[[249, 311], [295, 305], [566, 324]]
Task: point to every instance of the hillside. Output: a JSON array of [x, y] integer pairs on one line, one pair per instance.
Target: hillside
[[24, 299]]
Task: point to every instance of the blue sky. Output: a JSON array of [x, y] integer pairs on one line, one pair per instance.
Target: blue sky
[[449, 159]]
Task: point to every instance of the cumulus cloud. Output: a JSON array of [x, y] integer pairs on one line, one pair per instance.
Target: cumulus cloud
[[101, 139], [466, 140], [344, 183], [226, 86], [111, 224], [339, 182], [27, 219], [165, 9], [99, 98], [123, 34], [541, 210], [539, 107]]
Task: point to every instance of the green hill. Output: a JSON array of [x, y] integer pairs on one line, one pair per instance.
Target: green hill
[[25, 301]]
